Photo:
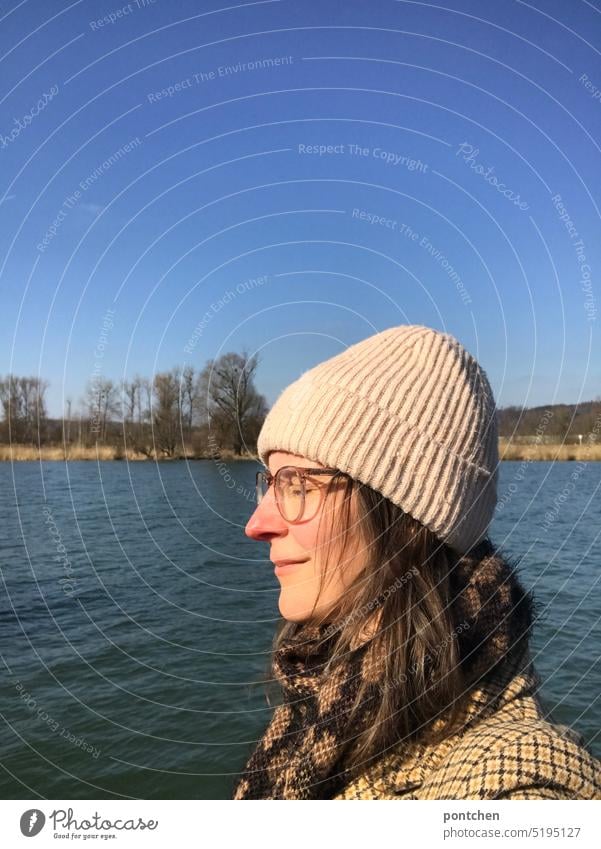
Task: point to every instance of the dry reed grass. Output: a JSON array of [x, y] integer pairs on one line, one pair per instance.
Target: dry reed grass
[[16, 452], [507, 451], [553, 451]]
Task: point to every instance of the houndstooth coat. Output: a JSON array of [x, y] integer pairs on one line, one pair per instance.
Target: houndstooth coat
[[506, 750]]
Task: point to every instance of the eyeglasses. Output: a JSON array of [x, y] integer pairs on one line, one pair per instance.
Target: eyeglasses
[[296, 497]]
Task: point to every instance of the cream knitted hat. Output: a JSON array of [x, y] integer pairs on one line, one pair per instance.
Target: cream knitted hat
[[410, 413]]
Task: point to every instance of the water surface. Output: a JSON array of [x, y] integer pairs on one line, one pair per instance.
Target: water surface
[[136, 619]]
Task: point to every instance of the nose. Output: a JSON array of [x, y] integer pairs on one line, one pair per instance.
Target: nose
[[266, 522]]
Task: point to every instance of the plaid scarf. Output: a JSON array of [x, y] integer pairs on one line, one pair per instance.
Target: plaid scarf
[[301, 755]]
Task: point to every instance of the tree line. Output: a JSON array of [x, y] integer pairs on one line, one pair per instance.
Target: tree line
[[182, 411], [551, 423], [198, 412]]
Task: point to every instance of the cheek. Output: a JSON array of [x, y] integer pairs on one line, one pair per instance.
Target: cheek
[[305, 534]]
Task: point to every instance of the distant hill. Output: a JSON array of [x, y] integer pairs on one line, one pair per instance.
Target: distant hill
[[552, 422]]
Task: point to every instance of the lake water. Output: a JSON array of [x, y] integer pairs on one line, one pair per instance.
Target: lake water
[[136, 619]]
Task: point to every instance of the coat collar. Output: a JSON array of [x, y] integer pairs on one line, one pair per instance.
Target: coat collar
[[406, 769]]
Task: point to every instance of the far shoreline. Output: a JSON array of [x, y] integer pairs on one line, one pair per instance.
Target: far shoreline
[[103, 453], [508, 450]]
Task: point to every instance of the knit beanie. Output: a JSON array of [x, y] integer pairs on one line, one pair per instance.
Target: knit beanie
[[407, 411]]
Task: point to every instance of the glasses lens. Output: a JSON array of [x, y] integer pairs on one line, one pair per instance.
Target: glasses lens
[[313, 493], [290, 494], [262, 486]]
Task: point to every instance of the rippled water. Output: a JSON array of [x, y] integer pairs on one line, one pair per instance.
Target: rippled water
[[136, 619]]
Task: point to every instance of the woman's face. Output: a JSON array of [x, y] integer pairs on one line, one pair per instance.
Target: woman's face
[[299, 542]]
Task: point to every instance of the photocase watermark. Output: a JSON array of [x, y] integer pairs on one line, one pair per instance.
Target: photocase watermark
[[73, 199], [55, 726], [593, 90], [423, 242], [221, 71], [67, 582], [360, 612], [228, 479], [586, 283], [388, 157], [415, 666], [108, 163], [66, 820], [26, 120], [98, 409], [470, 155], [569, 487], [229, 296], [32, 822], [372, 218], [512, 488], [117, 14]]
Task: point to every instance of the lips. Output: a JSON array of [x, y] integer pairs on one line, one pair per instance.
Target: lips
[[282, 567], [286, 562]]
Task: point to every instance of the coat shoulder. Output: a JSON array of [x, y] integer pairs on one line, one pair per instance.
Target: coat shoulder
[[516, 760], [532, 759], [512, 752]]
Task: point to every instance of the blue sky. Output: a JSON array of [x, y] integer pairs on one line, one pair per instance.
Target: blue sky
[[291, 177]]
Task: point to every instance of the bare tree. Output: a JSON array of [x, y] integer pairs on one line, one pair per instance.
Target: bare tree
[[11, 409], [141, 431], [188, 402], [24, 408], [67, 421], [166, 410], [145, 401], [102, 403], [235, 406], [129, 400]]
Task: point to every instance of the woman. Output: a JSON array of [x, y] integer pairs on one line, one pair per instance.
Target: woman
[[403, 655]]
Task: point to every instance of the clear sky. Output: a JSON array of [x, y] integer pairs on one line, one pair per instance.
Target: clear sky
[[290, 177]]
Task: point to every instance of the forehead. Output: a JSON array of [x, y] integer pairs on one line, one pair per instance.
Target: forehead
[[277, 459]]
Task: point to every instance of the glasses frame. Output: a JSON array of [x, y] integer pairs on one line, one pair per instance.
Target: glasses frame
[[303, 473]]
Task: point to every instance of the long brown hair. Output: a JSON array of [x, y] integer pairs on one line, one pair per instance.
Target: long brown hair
[[405, 601]]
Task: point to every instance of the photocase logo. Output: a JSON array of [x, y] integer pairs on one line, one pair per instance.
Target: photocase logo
[[32, 822]]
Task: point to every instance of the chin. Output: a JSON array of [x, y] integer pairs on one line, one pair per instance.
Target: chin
[[293, 611]]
